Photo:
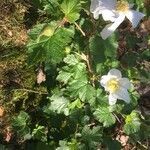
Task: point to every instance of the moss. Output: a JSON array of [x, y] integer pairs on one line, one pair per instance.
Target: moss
[[19, 89], [12, 31]]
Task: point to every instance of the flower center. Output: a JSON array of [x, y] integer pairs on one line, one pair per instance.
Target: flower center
[[113, 85], [122, 6]]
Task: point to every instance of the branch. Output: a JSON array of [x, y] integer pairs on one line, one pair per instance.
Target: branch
[[32, 91], [79, 28]]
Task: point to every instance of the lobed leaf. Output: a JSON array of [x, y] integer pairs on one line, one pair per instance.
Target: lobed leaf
[[50, 44], [105, 116], [71, 9], [132, 123]]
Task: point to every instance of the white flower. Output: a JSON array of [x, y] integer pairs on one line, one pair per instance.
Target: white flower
[[116, 86], [114, 11]]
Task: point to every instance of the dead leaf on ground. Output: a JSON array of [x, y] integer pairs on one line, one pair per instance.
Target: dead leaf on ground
[[1, 111], [8, 134], [41, 76], [123, 139]]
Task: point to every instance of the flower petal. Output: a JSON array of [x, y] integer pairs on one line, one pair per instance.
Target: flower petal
[[125, 83], [94, 8], [110, 28], [109, 15], [109, 4], [94, 5], [98, 6], [96, 14], [115, 72], [134, 17], [104, 80], [112, 100], [122, 94]]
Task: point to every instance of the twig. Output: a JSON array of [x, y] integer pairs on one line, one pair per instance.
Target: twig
[[88, 64], [31, 91], [142, 145], [117, 117], [87, 60], [133, 148], [79, 28], [90, 70], [147, 143]]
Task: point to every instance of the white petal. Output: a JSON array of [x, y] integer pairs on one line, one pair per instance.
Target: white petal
[[94, 8], [104, 80], [98, 6], [94, 5], [109, 4], [125, 83], [110, 28], [112, 100], [96, 14], [109, 15], [134, 17], [122, 94], [115, 72]]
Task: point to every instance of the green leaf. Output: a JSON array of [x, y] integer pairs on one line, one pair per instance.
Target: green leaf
[[76, 76], [49, 29], [20, 124], [51, 7], [128, 108], [55, 46], [38, 145], [66, 73], [75, 67], [105, 116], [42, 29], [82, 89], [63, 146], [71, 9], [102, 49], [34, 33], [132, 41], [144, 75], [73, 145], [145, 54], [50, 44], [75, 104], [39, 133], [71, 60], [64, 76], [132, 123], [112, 144], [91, 137], [110, 46], [130, 59], [37, 3], [3, 147], [21, 119], [58, 104], [37, 56], [96, 49], [138, 3]]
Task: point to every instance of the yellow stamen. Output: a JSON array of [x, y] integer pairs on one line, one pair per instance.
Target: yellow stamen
[[122, 6], [113, 85]]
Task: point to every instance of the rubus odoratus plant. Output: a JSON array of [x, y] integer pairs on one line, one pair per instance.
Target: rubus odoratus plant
[[90, 56]]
